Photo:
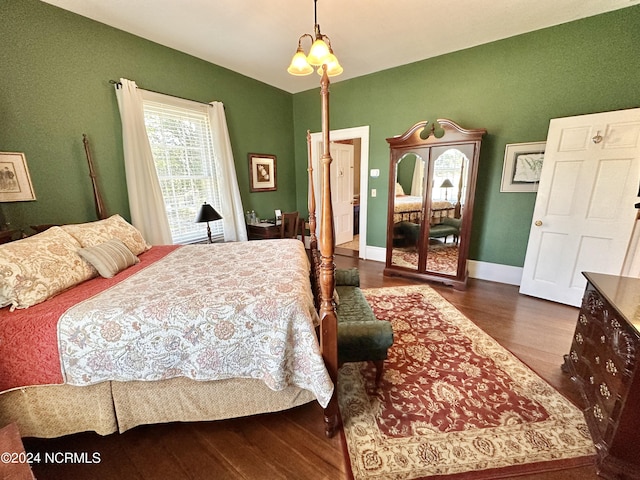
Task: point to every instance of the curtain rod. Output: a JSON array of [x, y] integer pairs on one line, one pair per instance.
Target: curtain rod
[[119, 84]]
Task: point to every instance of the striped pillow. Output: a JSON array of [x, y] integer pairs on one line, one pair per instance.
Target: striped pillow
[[109, 257]]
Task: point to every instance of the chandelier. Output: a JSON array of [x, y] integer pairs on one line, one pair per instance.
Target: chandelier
[[320, 53]]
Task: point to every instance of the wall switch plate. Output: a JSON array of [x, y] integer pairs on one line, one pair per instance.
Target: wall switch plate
[[374, 192], [375, 172]]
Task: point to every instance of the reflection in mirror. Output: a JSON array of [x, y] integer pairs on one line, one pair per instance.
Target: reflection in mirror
[[448, 196], [432, 242], [408, 210]]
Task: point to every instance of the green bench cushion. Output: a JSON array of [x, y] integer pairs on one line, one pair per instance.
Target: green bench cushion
[[347, 276], [441, 230], [361, 336], [449, 226]]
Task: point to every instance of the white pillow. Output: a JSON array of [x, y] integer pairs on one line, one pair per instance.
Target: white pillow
[[94, 233]]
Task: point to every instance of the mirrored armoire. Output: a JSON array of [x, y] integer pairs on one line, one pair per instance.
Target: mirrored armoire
[[432, 181]]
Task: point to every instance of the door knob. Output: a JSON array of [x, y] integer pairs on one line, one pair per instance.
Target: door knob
[[538, 223]]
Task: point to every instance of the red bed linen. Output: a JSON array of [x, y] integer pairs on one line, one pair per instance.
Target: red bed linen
[[29, 353]]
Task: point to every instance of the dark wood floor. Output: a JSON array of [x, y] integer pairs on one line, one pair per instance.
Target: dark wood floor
[[291, 444]]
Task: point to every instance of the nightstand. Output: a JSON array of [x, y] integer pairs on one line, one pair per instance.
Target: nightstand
[[263, 231]]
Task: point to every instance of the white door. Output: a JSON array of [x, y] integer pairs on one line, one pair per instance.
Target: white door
[[584, 213], [342, 191]]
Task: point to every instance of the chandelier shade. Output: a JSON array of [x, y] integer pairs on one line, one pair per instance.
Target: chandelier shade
[[320, 54], [333, 66], [299, 64]]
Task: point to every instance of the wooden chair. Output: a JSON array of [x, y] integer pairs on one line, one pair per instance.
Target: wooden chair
[[290, 225]]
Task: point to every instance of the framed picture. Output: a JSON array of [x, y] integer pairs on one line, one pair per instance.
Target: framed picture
[[522, 167], [15, 182], [262, 172]]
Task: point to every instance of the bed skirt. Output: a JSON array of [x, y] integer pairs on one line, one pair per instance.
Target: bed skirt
[[108, 407]]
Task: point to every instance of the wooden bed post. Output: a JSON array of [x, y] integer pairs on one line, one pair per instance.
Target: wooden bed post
[[313, 239], [328, 318], [100, 210]]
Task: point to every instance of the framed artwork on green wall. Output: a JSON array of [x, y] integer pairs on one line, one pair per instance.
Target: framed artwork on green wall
[[15, 182], [262, 172], [522, 167]]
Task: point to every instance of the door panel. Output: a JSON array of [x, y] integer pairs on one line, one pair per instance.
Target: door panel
[[584, 213], [590, 259], [607, 194], [563, 188], [552, 247], [342, 191]]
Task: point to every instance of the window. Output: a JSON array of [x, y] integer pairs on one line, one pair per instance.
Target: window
[[180, 138]]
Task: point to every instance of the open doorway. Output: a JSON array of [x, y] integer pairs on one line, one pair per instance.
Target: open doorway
[[345, 184], [359, 138]]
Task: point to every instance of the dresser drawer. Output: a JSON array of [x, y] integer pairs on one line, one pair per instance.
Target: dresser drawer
[[604, 362], [601, 426]]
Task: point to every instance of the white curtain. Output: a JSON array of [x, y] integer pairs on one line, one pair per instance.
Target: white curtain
[[146, 204], [230, 202], [418, 178]]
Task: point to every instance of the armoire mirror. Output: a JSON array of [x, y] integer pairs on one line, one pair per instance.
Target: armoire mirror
[[432, 181]]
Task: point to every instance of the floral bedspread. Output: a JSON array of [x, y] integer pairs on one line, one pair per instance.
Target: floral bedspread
[[29, 353], [203, 312]]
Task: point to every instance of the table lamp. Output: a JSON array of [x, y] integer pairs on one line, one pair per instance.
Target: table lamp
[[207, 214]]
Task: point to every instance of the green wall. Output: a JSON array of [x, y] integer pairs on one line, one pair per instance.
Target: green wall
[[511, 87], [54, 86]]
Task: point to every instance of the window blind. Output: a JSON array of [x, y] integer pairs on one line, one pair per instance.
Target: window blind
[[180, 140]]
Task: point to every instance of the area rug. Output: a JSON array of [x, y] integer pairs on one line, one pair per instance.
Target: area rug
[[452, 402], [442, 257]]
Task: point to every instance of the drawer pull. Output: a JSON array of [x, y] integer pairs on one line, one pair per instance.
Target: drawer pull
[[579, 338], [597, 412], [611, 367], [604, 390]]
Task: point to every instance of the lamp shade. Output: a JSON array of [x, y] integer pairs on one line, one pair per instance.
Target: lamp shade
[[333, 66], [318, 53], [207, 214], [299, 65], [446, 184]]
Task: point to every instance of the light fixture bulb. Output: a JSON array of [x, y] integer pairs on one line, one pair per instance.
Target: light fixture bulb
[[299, 65], [333, 66], [318, 53]]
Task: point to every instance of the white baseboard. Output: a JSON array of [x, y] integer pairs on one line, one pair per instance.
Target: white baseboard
[[377, 254], [493, 272]]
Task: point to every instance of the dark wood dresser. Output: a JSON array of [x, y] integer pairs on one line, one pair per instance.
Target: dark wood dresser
[[604, 362], [263, 231]]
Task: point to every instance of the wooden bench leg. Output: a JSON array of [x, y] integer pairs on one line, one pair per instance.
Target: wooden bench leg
[[379, 367]]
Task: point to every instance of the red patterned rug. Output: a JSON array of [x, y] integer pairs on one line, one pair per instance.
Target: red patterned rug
[[442, 257], [452, 402]]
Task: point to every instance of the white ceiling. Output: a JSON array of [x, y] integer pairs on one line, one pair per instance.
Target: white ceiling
[[257, 38]]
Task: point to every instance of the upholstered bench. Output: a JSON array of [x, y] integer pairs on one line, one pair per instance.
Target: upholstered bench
[[449, 226], [361, 336], [405, 234]]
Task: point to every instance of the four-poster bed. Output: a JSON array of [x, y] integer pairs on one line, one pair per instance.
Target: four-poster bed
[[326, 264], [45, 405]]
